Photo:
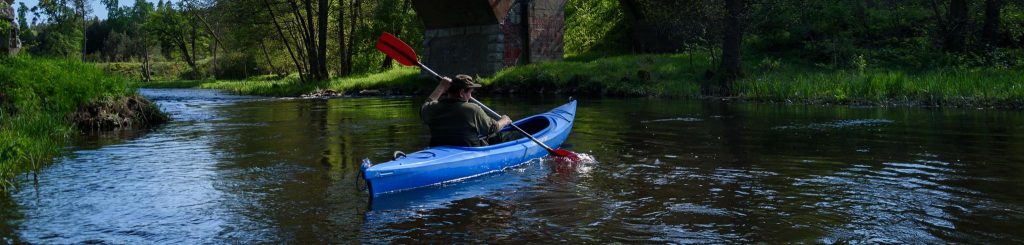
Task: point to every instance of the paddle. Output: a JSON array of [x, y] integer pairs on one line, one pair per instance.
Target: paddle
[[403, 54]]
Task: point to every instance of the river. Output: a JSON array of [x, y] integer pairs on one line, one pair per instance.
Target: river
[[235, 169]]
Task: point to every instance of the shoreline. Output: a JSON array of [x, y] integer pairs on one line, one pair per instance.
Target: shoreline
[[669, 76]]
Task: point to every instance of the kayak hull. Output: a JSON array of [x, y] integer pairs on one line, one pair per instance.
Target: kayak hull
[[443, 164]]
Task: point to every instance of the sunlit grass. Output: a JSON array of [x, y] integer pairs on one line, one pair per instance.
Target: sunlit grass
[[36, 96]]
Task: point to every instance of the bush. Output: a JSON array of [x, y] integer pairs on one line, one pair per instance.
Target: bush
[[235, 66]]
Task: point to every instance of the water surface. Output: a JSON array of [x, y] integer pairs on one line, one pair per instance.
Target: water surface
[[232, 169]]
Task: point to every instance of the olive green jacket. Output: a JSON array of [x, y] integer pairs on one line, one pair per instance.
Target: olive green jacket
[[457, 123]]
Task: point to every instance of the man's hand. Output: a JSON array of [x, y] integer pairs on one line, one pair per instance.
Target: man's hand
[[504, 121], [442, 86]]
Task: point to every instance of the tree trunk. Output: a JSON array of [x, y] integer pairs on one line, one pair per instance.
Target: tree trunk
[[213, 51], [192, 60], [146, 76], [300, 51], [206, 24], [957, 26], [343, 67], [323, 10], [270, 62], [302, 47], [990, 30], [353, 29], [80, 4], [730, 69], [284, 39], [186, 56], [311, 49]]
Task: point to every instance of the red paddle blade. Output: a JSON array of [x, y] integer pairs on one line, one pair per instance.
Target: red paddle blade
[[566, 154], [396, 49]]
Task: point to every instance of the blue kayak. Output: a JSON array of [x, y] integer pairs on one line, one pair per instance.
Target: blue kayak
[[453, 163]]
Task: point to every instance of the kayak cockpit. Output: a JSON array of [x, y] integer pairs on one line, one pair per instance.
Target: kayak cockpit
[[532, 125]]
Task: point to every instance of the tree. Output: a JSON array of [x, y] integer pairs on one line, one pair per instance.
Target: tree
[[26, 35], [82, 11], [143, 40], [174, 27], [299, 66], [355, 9], [954, 25], [990, 29], [322, 11], [732, 38], [344, 68]]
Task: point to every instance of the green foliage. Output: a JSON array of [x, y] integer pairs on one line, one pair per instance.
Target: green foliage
[[594, 26], [36, 99], [158, 70], [238, 65], [6, 27], [896, 34], [769, 64], [59, 40], [859, 63]]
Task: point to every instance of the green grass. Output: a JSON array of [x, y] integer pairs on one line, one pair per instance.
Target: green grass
[[666, 75], [36, 97], [675, 75], [945, 87], [398, 80], [680, 75]]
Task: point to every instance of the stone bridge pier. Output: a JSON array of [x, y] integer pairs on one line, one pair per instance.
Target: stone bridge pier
[[9, 42], [481, 37]]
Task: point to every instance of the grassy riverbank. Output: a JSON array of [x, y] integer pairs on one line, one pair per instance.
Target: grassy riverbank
[[395, 81], [680, 75], [39, 99]]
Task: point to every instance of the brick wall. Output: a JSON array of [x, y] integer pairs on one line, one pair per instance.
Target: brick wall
[[485, 49], [472, 50], [547, 24], [512, 31], [547, 29]]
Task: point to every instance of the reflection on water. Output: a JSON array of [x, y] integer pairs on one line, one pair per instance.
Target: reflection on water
[[248, 169]]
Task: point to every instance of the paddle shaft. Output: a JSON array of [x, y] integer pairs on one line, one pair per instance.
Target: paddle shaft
[[492, 112]]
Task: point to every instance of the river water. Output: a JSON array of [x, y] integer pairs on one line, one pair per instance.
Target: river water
[[233, 169]]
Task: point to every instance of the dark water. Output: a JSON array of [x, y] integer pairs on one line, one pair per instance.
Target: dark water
[[247, 170]]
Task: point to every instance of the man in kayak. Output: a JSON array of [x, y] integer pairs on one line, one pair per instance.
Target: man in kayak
[[453, 120]]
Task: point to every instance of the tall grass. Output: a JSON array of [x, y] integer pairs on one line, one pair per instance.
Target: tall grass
[[951, 87], [36, 97]]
